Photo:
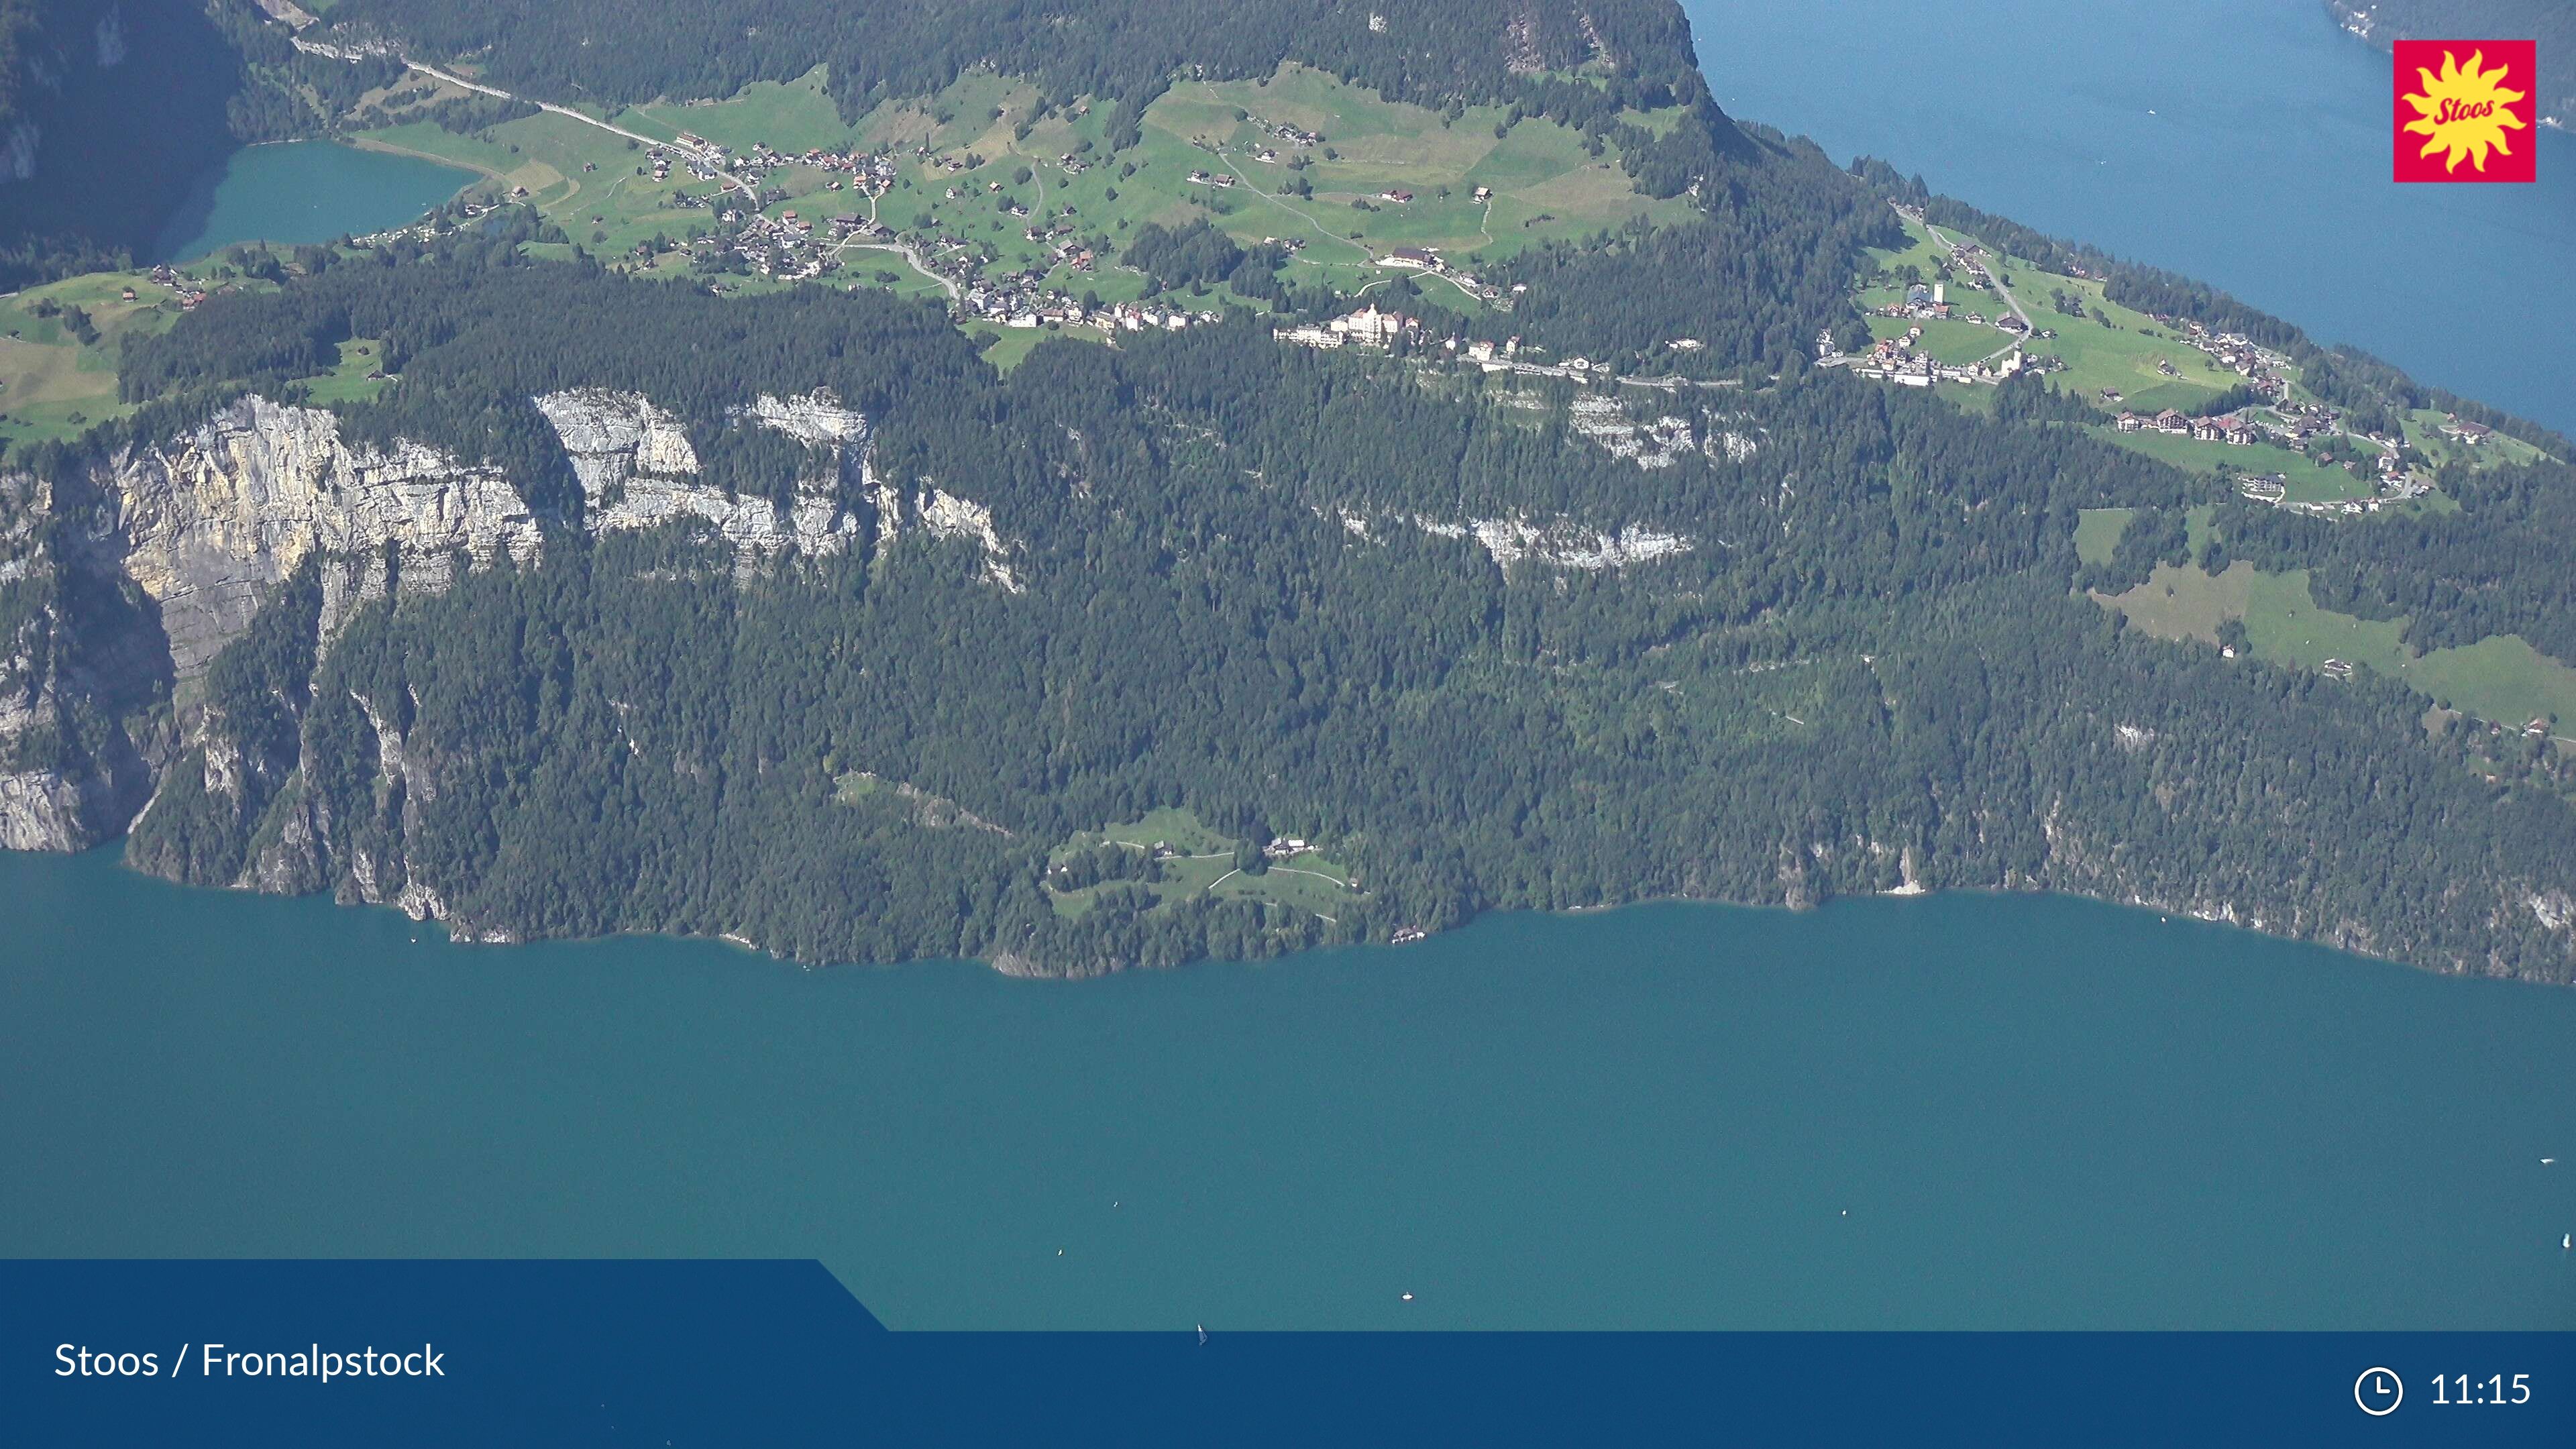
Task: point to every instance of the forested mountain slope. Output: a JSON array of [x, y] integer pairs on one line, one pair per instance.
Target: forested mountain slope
[[106, 112], [1825, 645], [110, 110], [549, 600], [1427, 50]]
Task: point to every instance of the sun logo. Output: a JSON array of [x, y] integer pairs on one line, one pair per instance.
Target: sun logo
[[2464, 111]]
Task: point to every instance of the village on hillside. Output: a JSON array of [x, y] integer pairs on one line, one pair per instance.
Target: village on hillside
[[1015, 210], [1949, 311], [1015, 214]]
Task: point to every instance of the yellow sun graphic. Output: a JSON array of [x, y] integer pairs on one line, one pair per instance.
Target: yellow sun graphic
[[2462, 110]]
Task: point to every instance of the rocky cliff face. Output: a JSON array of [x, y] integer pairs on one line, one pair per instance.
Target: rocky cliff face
[[43, 805], [84, 682], [210, 522], [638, 470], [110, 600]]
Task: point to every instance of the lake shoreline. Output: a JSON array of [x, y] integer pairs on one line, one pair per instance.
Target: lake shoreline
[[306, 192], [2117, 151], [1655, 1117], [1012, 965]]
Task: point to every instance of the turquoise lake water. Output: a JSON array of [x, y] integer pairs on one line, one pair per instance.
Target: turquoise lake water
[[2245, 144], [304, 191], [1960, 1111]]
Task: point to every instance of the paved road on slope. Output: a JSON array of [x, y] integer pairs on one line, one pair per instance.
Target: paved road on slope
[[704, 156], [1996, 273]]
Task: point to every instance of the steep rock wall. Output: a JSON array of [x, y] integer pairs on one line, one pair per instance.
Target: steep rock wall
[[177, 544], [211, 521], [84, 682], [639, 470]]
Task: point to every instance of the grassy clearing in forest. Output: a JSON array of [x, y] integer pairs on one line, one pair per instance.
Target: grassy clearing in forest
[[2097, 532], [1195, 860], [2500, 678], [53, 384]]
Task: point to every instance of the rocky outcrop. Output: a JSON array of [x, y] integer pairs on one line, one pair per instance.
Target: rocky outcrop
[[1563, 545], [614, 436], [1556, 543], [52, 796], [207, 523], [945, 515], [638, 470], [1649, 442], [83, 685], [210, 522], [177, 545], [816, 417], [18, 151], [929, 811]]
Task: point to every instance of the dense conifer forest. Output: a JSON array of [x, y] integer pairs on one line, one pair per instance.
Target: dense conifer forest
[[1424, 50], [1867, 667], [1771, 634]]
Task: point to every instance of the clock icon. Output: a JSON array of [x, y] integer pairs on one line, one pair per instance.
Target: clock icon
[[2378, 1391]]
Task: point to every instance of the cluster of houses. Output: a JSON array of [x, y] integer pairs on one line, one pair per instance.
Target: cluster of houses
[[1426, 259], [1019, 304], [2229, 429], [1924, 304], [1965, 256], [186, 288], [2296, 427], [437, 223], [692, 153], [1367, 327], [785, 245], [1902, 360], [869, 174], [2235, 352], [1372, 327], [1969, 257], [2274, 488], [1014, 298], [703, 159], [1290, 134], [789, 245]]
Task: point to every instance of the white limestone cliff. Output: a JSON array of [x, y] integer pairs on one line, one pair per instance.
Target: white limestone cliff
[[815, 417], [203, 526], [637, 470], [211, 520], [1557, 543], [945, 515]]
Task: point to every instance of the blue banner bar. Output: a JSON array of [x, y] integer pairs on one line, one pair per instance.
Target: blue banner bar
[[695, 1353]]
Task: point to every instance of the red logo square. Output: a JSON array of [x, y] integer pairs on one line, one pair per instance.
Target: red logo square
[[2464, 110]]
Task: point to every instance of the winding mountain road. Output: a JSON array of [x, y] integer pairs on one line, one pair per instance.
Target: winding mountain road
[[1995, 274], [705, 156]]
